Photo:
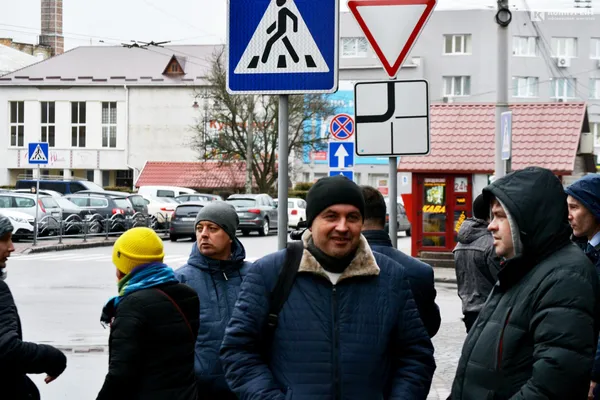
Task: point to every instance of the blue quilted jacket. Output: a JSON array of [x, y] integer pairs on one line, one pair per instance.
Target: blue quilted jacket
[[217, 284], [360, 339]]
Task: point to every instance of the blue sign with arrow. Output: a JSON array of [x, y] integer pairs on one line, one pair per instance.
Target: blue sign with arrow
[[282, 46], [347, 174], [38, 153], [341, 155]]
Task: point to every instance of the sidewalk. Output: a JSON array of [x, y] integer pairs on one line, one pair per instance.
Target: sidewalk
[[46, 245]]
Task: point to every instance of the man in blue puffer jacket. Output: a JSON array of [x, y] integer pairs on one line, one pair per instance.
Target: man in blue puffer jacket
[[349, 329], [215, 270], [583, 200]]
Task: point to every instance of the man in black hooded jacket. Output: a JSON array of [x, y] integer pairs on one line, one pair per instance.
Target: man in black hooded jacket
[[535, 338]]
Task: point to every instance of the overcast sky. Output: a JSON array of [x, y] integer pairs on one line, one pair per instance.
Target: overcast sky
[[180, 21]]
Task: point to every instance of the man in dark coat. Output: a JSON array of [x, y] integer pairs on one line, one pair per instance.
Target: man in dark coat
[[583, 200], [419, 274], [18, 358], [535, 337], [476, 262], [154, 323], [215, 270], [349, 329]]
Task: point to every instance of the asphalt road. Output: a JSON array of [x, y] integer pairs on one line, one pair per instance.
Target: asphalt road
[[60, 296]]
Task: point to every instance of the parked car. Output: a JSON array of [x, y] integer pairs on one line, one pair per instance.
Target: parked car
[[402, 218], [47, 209], [72, 215], [64, 186], [22, 224], [160, 210], [296, 211], [201, 197], [257, 212], [164, 191], [47, 192], [182, 223], [99, 208], [136, 200]]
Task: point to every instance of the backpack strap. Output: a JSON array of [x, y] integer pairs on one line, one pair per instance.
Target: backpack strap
[[283, 287], [187, 322]]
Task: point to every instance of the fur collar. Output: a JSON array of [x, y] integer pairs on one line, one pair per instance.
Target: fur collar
[[363, 264]]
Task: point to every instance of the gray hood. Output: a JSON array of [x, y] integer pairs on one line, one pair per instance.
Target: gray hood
[[471, 230]]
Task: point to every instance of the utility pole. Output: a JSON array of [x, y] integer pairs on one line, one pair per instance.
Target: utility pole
[[249, 150], [503, 19]]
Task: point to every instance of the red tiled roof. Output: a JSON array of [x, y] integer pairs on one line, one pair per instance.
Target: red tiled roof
[[462, 138], [207, 174]]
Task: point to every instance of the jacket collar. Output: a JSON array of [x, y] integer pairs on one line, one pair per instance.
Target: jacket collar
[[378, 238], [363, 264]]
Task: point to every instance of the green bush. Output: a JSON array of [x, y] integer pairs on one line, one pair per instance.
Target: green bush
[[118, 189], [303, 186], [7, 187], [298, 193]]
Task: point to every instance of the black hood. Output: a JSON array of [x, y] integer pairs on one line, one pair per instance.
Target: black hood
[[536, 199]]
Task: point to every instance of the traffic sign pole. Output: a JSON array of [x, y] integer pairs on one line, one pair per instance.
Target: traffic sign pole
[[393, 196], [37, 206], [282, 178]]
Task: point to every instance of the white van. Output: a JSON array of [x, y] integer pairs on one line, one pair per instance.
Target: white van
[[164, 191]]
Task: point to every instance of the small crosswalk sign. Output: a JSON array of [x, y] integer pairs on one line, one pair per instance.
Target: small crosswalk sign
[[38, 153], [282, 46]]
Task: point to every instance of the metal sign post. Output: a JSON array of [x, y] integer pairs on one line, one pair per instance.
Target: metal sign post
[[282, 178], [37, 155]]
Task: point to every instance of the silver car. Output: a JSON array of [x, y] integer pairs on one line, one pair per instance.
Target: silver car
[[49, 212]]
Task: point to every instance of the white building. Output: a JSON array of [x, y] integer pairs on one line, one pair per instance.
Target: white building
[[104, 111]]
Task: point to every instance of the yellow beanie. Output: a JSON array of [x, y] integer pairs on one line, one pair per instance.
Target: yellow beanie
[[135, 247]]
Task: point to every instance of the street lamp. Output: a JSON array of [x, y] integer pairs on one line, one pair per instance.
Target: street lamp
[[503, 16]]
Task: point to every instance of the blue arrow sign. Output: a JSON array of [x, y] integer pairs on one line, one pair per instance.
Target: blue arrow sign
[[347, 174], [282, 47], [341, 154], [38, 153]]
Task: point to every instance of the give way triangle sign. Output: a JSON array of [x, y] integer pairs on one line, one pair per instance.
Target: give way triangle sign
[[392, 27]]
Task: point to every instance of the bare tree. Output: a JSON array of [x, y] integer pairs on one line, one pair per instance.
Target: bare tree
[[221, 132]]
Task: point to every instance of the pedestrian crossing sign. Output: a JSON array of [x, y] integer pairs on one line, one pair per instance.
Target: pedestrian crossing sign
[[282, 46], [38, 153]]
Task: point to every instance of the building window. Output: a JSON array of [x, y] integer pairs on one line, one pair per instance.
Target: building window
[[457, 44], [562, 88], [109, 124], [48, 127], [595, 50], [525, 86], [595, 88], [457, 86], [17, 123], [595, 130], [354, 47], [78, 124], [564, 47], [524, 46], [105, 178]]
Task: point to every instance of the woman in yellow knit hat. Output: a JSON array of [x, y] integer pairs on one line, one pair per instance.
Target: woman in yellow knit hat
[[153, 322]]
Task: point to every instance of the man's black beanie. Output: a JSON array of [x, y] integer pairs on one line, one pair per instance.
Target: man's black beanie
[[332, 190]]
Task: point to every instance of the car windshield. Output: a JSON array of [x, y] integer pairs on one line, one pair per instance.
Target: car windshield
[[238, 203], [166, 200], [188, 210], [49, 202], [64, 203], [122, 203]]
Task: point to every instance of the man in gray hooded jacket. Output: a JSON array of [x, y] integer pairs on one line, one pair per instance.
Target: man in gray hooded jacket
[[476, 262]]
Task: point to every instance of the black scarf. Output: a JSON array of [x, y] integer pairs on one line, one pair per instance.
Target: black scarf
[[330, 264]]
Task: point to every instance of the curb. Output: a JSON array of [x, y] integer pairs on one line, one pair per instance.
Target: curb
[[97, 349], [68, 246], [445, 280]]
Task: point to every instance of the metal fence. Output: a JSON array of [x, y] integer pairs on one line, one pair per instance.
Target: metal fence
[[94, 225]]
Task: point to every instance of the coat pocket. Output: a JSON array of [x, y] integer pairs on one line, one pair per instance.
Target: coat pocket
[[500, 348]]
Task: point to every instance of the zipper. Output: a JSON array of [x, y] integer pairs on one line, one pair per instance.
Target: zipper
[[336, 346], [501, 344]]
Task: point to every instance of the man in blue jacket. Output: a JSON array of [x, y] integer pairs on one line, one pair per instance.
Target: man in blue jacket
[[419, 274], [349, 329], [583, 201], [215, 270]]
